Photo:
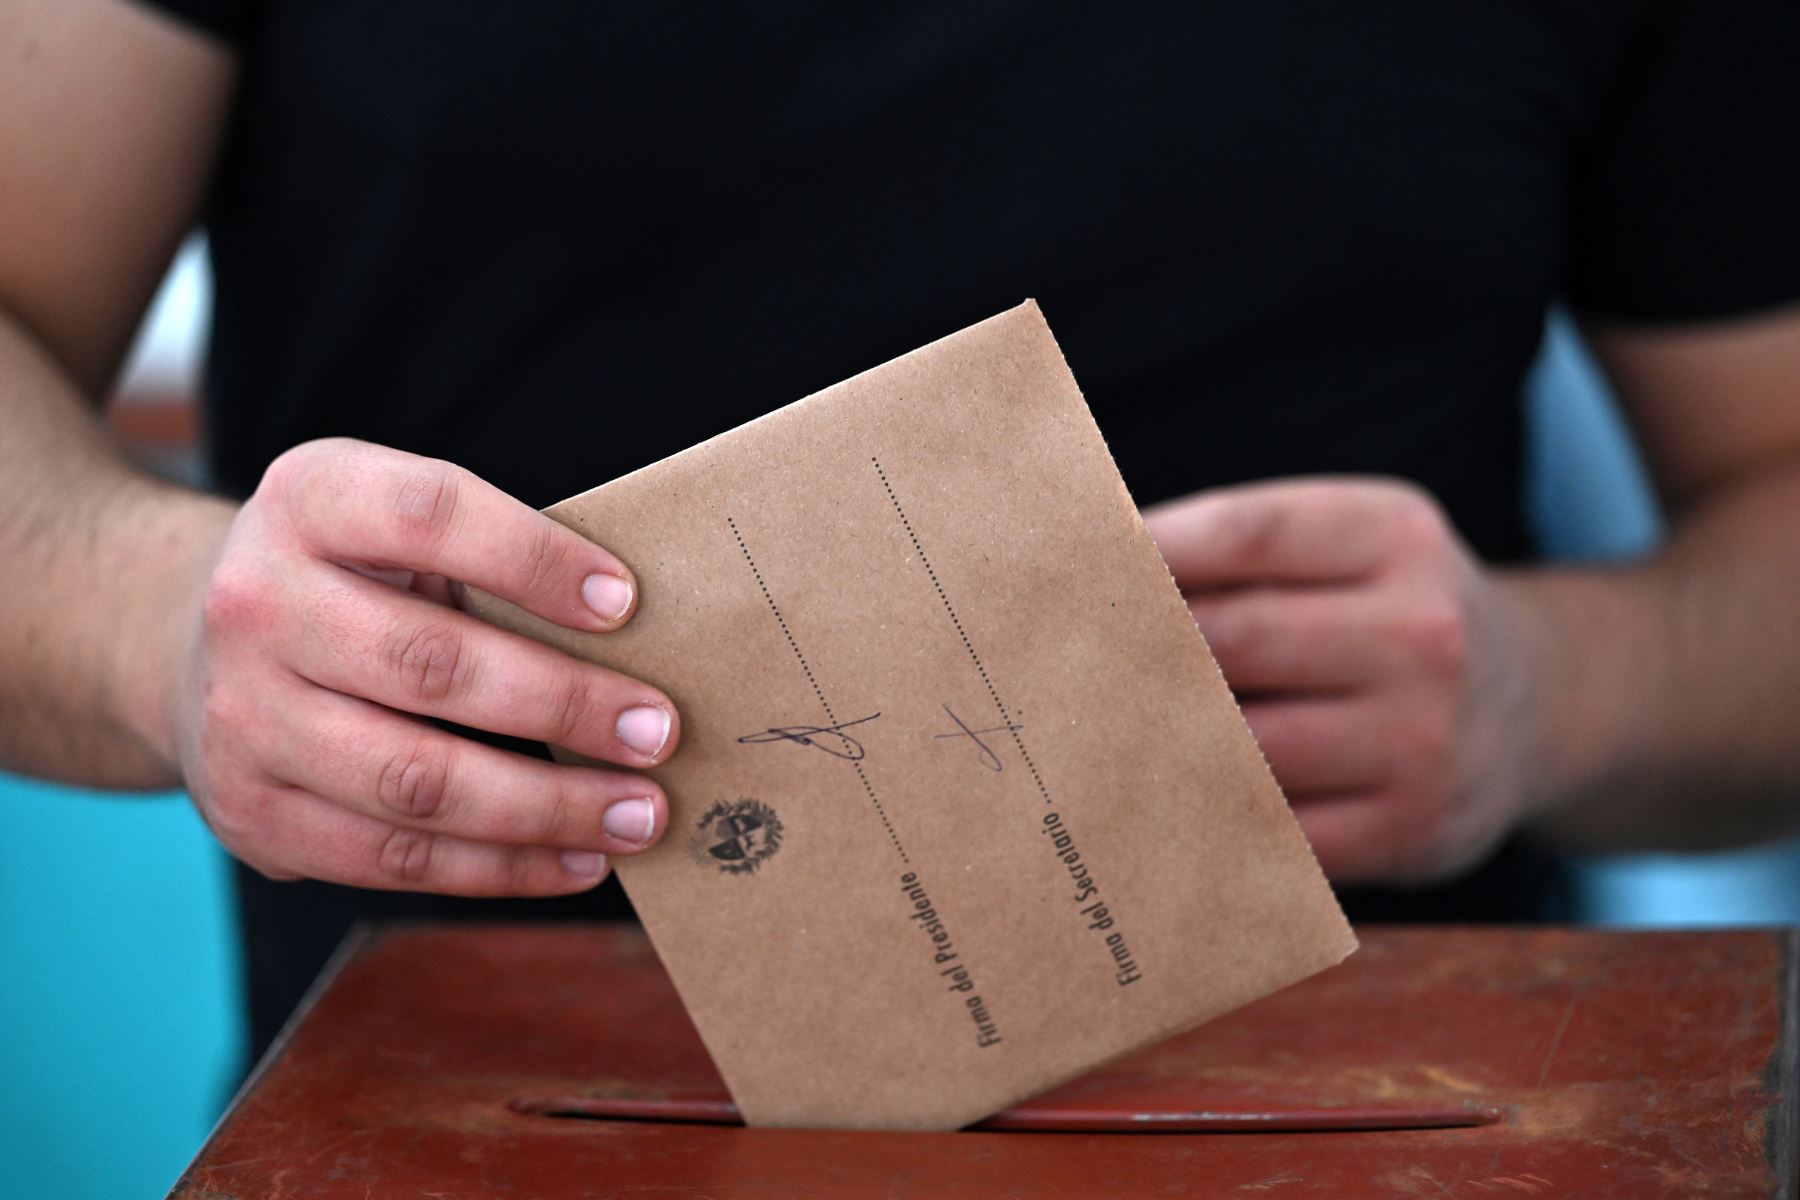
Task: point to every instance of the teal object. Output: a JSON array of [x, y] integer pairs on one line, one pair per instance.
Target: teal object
[[1588, 494], [120, 1040]]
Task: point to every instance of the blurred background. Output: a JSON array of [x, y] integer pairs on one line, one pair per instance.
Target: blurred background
[[118, 971]]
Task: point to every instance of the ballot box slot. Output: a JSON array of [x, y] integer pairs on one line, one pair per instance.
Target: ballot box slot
[[1059, 1119]]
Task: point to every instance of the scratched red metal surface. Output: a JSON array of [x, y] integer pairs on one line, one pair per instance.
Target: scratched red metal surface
[[1620, 1064]]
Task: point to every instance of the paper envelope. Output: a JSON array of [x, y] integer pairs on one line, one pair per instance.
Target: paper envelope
[[962, 807]]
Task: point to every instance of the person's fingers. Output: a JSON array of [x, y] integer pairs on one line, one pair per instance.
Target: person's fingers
[[365, 639], [370, 506], [1352, 836], [1287, 639], [1286, 531], [300, 834], [405, 772], [1321, 744]]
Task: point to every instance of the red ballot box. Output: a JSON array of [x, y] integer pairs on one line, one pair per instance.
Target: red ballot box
[[546, 1062]]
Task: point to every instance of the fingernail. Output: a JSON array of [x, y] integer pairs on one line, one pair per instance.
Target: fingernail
[[633, 820], [644, 728], [584, 864], [608, 596]]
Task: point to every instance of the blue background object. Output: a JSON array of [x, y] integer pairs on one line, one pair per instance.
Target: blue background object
[[119, 1034]]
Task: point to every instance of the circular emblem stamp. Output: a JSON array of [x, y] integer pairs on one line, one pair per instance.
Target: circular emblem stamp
[[736, 836]]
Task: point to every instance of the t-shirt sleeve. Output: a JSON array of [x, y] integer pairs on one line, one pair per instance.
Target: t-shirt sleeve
[[228, 20], [1689, 197]]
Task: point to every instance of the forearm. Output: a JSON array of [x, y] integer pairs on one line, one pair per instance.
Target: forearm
[[1667, 695], [99, 568]]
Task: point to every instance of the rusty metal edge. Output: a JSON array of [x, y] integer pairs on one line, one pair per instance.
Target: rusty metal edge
[[360, 936]]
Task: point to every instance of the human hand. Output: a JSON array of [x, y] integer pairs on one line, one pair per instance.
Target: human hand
[[326, 630], [1378, 664]]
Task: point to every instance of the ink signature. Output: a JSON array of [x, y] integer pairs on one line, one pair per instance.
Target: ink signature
[[830, 738], [989, 759]]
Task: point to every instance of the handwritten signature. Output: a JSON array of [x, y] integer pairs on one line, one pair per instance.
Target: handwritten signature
[[830, 738], [989, 759]]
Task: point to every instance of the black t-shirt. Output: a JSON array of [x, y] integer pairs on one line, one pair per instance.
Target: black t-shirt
[[1272, 238]]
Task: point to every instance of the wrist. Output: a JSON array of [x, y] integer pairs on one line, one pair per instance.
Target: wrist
[[1586, 642], [182, 533]]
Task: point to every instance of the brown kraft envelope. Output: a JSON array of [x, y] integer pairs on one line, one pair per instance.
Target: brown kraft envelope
[[962, 807]]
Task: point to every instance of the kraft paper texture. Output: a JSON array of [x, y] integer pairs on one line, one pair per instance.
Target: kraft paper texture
[[963, 807]]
